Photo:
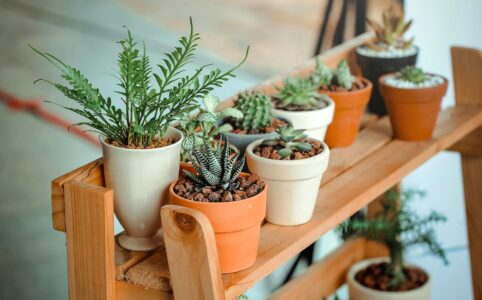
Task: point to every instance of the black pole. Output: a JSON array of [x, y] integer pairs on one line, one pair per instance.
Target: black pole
[[324, 25]]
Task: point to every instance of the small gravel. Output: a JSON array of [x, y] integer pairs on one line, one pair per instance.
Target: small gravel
[[396, 81], [389, 53]]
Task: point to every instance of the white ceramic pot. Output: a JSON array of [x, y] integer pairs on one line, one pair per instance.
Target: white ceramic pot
[[140, 179], [293, 184], [360, 292], [314, 121]]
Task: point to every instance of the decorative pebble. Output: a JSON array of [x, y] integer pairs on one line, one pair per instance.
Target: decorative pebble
[[396, 81], [389, 53]]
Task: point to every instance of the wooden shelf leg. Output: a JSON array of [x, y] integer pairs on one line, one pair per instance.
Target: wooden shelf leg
[[467, 72], [191, 254], [89, 219]]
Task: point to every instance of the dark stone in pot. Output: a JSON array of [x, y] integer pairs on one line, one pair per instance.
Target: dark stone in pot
[[374, 67]]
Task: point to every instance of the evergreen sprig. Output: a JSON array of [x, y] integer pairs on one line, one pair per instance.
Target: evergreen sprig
[[148, 111], [399, 228]]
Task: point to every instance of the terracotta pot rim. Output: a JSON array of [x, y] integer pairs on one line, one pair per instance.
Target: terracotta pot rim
[[254, 198], [165, 148], [351, 274], [368, 85], [381, 82], [309, 160]]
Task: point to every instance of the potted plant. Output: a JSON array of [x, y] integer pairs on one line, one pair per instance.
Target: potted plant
[[140, 148], [257, 121], [350, 94], [389, 52], [399, 228], [298, 102], [201, 127], [234, 202], [413, 100], [292, 165]]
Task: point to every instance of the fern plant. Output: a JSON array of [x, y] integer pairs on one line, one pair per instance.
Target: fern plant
[[215, 166], [201, 128], [399, 228], [152, 101]]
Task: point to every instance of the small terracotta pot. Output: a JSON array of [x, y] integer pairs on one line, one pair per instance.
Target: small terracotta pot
[[413, 111], [349, 108], [236, 227]]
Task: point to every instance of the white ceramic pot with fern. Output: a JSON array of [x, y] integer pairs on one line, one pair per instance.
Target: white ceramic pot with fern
[[140, 179]]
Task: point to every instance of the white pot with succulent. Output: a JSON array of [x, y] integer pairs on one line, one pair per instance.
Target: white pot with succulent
[[292, 165], [397, 227], [140, 148]]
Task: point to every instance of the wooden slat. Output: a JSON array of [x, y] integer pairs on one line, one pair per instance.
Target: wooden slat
[[126, 291], [192, 254], [125, 259], [89, 213], [470, 145], [92, 173], [349, 192]]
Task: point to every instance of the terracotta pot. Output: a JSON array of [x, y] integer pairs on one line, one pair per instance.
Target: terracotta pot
[[140, 179], [413, 111], [358, 291], [314, 121], [236, 227], [349, 108], [374, 67], [293, 185]]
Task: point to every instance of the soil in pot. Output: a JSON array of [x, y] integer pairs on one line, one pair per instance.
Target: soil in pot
[[236, 218], [373, 67], [376, 277], [155, 143], [271, 152], [349, 108]]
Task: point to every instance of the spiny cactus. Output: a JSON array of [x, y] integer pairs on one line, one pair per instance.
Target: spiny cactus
[[391, 33], [202, 127], [413, 74], [299, 93], [215, 166], [257, 111], [341, 76], [290, 139]]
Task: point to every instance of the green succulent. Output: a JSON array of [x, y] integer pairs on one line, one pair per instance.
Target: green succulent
[[202, 128], [298, 92], [257, 110], [341, 76], [290, 139], [413, 74], [391, 33], [215, 166]]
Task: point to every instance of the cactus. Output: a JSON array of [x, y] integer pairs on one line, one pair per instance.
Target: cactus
[[299, 93], [257, 111], [391, 33], [202, 128], [215, 166], [343, 75], [290, 140], [413, 74]]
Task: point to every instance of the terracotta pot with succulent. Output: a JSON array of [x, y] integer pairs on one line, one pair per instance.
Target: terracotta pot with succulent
[[350, 94], [140, 148], [398, 228], [413, 100], [257, 121], [234, 202], [390, 52], [292, 165], [298, 102], [201, 127]]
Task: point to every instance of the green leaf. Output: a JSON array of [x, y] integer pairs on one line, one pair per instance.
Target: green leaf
[[211, 102], [231, 112]]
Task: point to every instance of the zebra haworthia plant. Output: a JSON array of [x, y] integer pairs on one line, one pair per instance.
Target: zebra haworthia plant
[[257, 110], [202, 128], [290, 140], [149, 110], [215, 166]]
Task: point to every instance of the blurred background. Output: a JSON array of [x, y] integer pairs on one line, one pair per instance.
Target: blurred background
[[282, 34]]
